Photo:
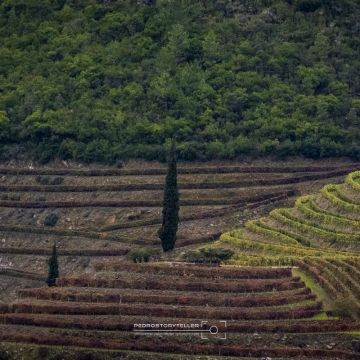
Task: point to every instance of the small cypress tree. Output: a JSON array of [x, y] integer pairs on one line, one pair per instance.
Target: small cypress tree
[[53, 268], [170, 212]]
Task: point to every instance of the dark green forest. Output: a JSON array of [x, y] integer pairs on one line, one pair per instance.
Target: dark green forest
[[109, 80]]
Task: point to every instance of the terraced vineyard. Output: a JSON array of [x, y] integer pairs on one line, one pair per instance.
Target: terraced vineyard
[[320, 235], [100, 311], [105, 212]]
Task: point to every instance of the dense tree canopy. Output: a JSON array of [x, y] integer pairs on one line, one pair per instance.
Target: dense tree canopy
[[103, 80]]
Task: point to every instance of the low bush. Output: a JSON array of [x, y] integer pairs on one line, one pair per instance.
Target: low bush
[[42, 352], [7, 197], [209, 255], [49, 180], [4, 355], [142, 255], [119, 164], [51, 219], [345, 308]]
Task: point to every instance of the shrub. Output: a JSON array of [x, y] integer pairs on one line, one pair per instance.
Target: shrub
[[4, 355], [49, 180], [10, 197], [43, 352], [142, 255], [345, 308], [51, 219], [356, 345], [119, 164], [209, 255], [43, 180]]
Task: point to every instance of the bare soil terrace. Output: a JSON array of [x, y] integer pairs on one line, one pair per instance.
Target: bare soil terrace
[[105, 211], [269, 312]]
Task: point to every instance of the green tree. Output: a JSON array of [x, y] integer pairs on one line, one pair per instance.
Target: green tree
[[53, 268], [4, 125], [104, 80], [167, 232]]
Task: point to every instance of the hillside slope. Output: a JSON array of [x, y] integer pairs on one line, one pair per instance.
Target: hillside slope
[[100, 214], [320, 234], [111, 308], [103, 80]]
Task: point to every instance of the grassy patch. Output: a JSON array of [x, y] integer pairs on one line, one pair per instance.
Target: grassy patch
[[323, 316], [317, 290]]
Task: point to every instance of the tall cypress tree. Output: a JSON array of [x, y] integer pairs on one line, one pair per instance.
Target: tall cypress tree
[[53, 268], [170, 212]]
